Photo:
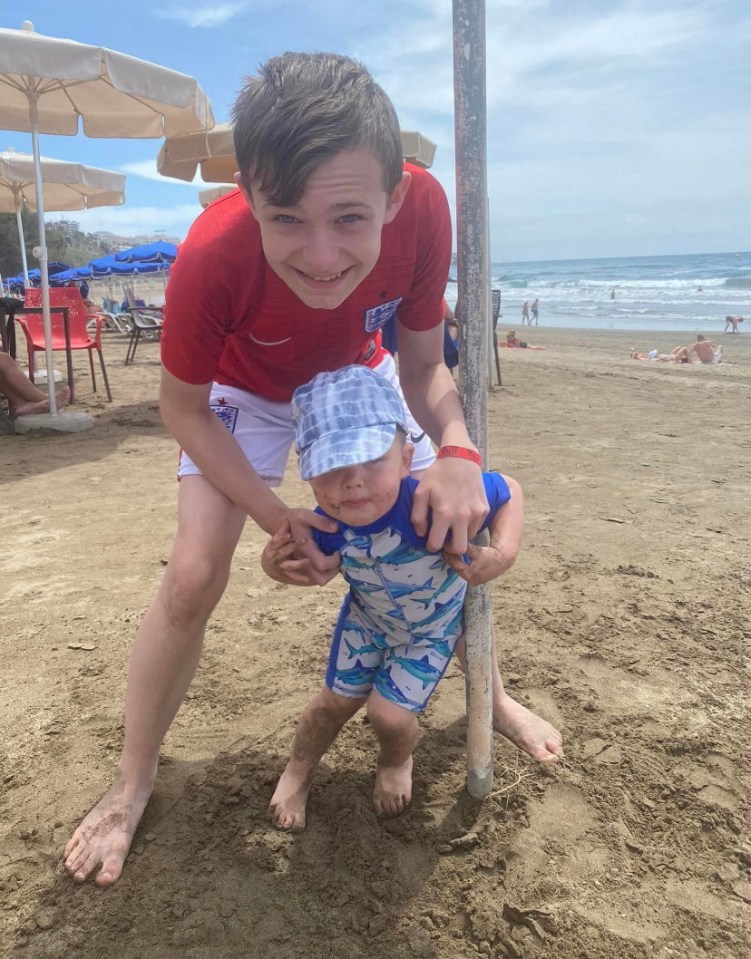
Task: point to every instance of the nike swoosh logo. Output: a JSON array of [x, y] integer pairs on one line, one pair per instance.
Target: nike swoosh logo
[[269, 342], [415, 439]]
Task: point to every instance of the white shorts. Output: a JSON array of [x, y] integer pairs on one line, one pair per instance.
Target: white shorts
[[264, 430]]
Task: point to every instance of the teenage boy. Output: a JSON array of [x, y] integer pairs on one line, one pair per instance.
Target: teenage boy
[[330, 235]]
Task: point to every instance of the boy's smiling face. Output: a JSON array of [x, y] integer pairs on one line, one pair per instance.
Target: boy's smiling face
[[325, 245], [360, 495]]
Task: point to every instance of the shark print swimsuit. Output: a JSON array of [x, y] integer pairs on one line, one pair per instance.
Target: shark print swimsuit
[[403, 615]]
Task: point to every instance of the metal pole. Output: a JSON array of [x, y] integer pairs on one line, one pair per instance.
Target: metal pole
[[22, 241], [492, 342], [46, 316], [474, 295]]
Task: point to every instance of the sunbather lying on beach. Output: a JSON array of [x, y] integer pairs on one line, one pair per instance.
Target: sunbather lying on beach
[[707, 352], [512, 342], [678, 355]]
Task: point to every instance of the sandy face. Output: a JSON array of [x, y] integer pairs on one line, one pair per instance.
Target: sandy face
[[623, 621]]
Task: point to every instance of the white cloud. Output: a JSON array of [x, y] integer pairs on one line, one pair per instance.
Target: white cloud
[[137, 220], [595, 111], [208, 16], [147, 169]]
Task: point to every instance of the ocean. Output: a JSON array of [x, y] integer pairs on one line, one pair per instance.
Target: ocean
[[690, 293]]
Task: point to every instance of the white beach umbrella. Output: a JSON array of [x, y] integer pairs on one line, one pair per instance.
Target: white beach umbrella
[[213, 152], [213, 193], [66, 185], [417, 148], [47, 84]]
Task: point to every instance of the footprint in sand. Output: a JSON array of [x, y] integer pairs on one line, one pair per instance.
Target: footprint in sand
[[712, 776]]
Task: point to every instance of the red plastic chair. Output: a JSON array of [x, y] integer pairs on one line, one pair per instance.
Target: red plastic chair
[[80, 339]]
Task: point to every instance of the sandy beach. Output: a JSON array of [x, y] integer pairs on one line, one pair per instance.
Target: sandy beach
[[626, 621]]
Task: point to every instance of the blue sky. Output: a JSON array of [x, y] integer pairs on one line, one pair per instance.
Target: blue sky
[[615, 128]]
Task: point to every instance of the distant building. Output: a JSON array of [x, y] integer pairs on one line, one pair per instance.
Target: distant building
[[67, 227]]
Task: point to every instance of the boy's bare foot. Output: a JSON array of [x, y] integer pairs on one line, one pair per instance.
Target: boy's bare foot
[[105, 835], [290, 799], [527, 731], [393, 789]]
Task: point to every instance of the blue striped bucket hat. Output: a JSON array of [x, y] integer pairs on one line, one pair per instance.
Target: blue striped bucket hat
[[343, 419]]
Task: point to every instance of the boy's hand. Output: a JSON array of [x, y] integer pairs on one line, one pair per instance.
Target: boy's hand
[[486, 563], [453, 490], [291, 556]]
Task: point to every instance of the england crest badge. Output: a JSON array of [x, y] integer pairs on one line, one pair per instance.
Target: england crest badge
[[378, 316]]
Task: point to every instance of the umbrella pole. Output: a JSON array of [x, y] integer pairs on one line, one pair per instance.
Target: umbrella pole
[[22, 241], [46, 316], [473, 278]]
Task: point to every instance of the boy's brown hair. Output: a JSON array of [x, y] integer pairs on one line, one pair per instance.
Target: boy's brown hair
[[303, 109]]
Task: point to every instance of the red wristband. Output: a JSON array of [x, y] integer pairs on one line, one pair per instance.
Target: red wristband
[[460, 452]]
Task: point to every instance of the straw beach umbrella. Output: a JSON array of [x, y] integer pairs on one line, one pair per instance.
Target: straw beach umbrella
[[213, 153], [47, 84], [66, 185], [205, 197], [417, 148]]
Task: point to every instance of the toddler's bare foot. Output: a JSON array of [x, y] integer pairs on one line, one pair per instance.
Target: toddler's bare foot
[[527, 731], [105, 835], [290, 799], [393, 789]]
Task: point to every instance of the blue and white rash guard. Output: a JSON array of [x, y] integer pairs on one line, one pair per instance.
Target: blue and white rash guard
[[398, 625]]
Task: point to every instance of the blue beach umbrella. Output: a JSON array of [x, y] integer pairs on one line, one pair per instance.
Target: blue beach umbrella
[[35, 275], [149, 253], [102, 266], [108, 266], [74, 274]]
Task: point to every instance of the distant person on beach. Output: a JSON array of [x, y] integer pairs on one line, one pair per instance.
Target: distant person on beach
[[24, 397], [329, 235], [732, 321], [534, 311], [525, 312], [450, 337], [140, 304], [512, 342], [678, 355], [450, 356], [704, 349], [612, 294], [706, 352], [400, 622]]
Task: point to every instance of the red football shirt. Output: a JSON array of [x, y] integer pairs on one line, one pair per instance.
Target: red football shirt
[[229, 318]]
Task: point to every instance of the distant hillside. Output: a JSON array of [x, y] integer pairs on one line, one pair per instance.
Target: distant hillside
[[116, 242], [66, 243]]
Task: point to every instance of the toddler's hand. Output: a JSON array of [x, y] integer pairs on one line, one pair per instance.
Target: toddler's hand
[[283, 559]]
